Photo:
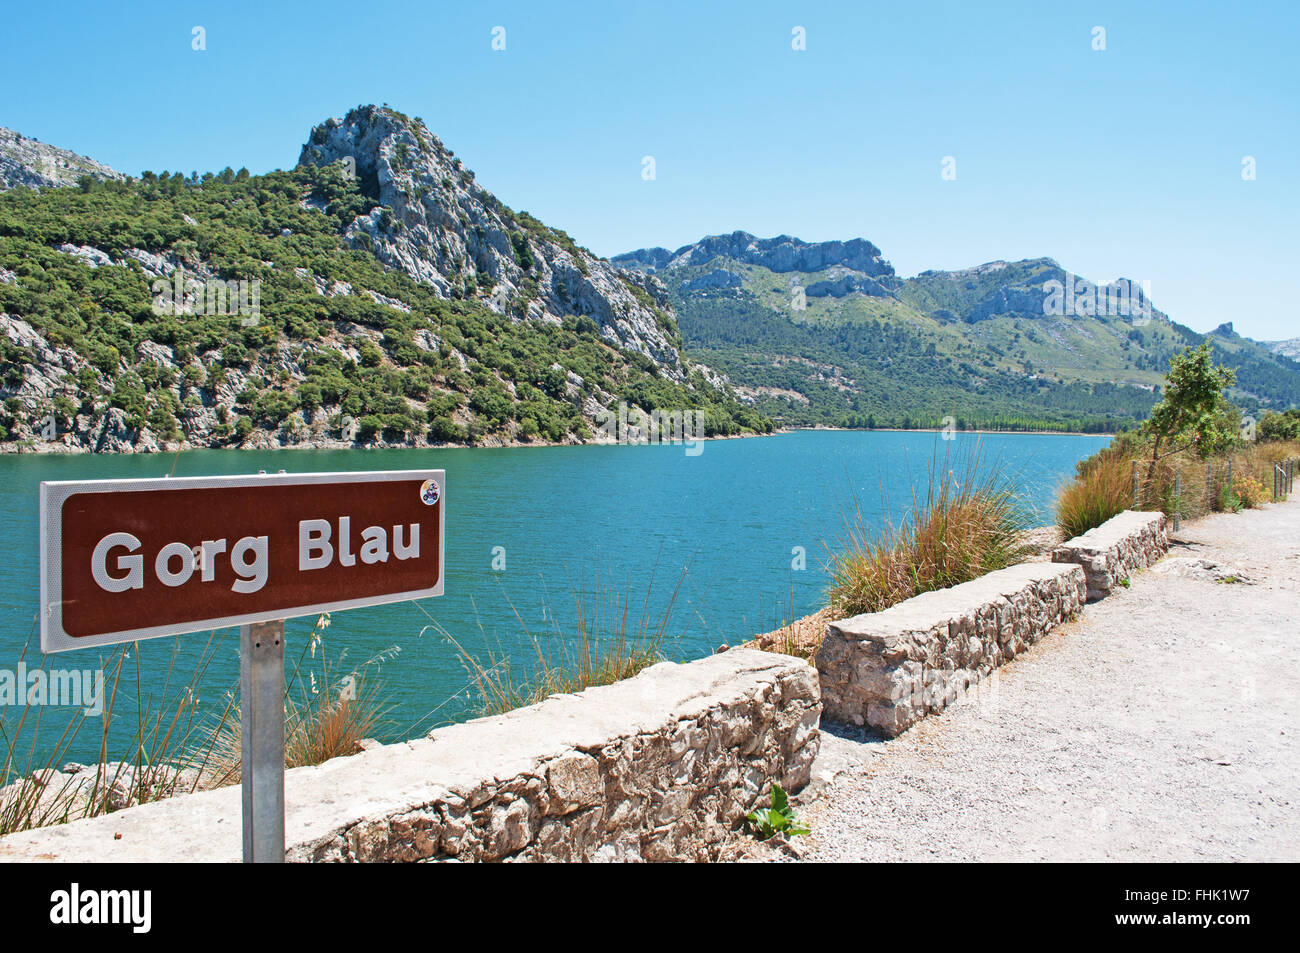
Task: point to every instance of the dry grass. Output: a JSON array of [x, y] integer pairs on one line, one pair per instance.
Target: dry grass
[[172, 750], [34, 792], [1182, 484], [1102, 489], [800, 638], [965, 526], [603, 647], [328, 710]]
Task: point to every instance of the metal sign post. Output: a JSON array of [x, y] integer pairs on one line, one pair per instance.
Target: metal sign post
[[261, 743]]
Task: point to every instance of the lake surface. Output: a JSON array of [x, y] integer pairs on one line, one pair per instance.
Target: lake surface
[[723, 528]]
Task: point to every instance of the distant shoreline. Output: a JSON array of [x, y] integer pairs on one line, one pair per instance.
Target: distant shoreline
[[1043, 433], [61, 450]]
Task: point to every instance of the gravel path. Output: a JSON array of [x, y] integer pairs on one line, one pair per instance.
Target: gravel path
[[1161, 726]]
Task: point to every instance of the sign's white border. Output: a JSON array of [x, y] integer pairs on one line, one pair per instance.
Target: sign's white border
[[54, 493]]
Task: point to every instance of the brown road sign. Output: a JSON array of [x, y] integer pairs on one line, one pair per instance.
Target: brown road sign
[[134, 559]]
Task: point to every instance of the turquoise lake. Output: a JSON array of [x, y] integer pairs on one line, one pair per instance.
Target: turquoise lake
[[725, 524]]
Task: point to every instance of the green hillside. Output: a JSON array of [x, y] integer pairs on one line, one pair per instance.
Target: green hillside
[[973, 345], [338, 335]]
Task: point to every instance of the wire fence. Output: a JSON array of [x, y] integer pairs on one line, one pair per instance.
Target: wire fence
[[1191, 488]]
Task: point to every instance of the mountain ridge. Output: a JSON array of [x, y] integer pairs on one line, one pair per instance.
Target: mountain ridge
[[371, 295], [1005, 343]]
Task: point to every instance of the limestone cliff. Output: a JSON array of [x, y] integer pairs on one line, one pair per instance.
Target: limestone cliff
[[436, 223], [36, 165]]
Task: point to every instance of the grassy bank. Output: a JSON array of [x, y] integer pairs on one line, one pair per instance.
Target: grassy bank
[[1124, 476]]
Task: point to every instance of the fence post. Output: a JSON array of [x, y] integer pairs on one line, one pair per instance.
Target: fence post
[[1135, 486], [1209, 487], [1178, 501]]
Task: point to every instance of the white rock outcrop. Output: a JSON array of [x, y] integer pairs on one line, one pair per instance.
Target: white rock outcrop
[[436, 223], [30, 163]]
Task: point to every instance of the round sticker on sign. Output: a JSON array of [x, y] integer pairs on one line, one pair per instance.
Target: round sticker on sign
[[429, 492]]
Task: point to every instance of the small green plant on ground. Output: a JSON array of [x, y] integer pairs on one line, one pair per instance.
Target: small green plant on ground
[[1229, 501], [766, 822]]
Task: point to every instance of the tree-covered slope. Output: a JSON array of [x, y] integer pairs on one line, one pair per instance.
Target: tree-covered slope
[[332, 345]]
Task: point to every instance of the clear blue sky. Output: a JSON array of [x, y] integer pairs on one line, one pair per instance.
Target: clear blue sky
[[1123, 162]]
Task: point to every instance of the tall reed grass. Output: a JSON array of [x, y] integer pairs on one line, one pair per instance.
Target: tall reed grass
[[329, 709], [172, 749], [966, 523], [1101, 490], [35, 791], [604, 644]]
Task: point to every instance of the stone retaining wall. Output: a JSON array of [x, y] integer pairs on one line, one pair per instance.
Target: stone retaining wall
[[889, 669], [657, 767], [1116, 549]]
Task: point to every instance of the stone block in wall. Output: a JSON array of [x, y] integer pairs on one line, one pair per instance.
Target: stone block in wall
[[1113, 551], [656, 767], [887, 670]]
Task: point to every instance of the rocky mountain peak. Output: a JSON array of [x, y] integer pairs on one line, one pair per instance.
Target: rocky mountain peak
[[783, 253], [1290, 349], [436, 223], [34, 164]]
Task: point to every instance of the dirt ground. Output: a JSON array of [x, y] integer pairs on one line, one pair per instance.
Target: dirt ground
[[1161, 726]]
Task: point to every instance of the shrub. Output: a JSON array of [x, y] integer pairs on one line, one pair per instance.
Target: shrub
[[1250, 491], [1101, 491], [1274, 426], [963, 528], [309, 397], [446, 430]]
